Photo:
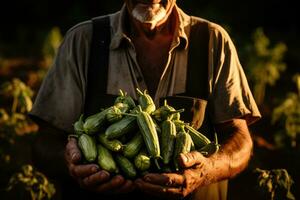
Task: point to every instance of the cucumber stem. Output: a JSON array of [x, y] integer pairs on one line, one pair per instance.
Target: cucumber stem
[[139, 92], [216, 138], [176, 111], [128, 114], [165, 102], [157, 164], [121, 93]]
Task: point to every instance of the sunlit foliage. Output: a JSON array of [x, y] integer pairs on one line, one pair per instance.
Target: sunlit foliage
[[13, 120], [288, 115], [32, 181], [275, 183], [51, 44], [265, 63], [20, 93], [16, 96]]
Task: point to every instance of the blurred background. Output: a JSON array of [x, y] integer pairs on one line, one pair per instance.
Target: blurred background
[[266, 35]]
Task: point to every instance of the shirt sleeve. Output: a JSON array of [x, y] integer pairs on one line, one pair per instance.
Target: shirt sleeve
[[60, 98], [230, 93]]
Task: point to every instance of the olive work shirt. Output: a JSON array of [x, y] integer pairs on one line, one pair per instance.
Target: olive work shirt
[[61, 98]]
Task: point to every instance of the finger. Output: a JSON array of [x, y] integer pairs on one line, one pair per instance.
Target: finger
[[127, 187], [109, 186], [190, 159], [165, 179], [72, 152], [160, 191], [96, 178], [82, 171]]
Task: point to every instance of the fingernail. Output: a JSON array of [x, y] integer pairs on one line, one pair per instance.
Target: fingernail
[[95, 169], [74, 156], [147, 178], [119, 179], [103, 175], [184, 158]]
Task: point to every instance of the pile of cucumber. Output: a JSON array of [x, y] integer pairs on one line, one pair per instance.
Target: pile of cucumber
[[132, 139]]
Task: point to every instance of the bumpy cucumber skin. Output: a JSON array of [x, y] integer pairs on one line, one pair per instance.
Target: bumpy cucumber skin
[[126, 166], [87, 145], [167, 140], [133, 147], [106, 160]]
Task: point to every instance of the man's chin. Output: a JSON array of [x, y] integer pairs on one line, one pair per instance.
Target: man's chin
[[149, 14]]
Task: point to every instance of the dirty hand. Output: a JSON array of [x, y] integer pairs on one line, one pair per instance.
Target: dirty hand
[[90, 177], [178, 185]]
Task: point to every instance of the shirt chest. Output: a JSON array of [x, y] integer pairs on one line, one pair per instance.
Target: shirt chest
[[132, 67], [152, 58]]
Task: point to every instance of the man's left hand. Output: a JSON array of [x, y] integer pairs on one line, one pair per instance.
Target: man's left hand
[[178, 185]]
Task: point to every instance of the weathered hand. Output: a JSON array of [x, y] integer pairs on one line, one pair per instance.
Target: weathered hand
[[177, 185], [90, 177]]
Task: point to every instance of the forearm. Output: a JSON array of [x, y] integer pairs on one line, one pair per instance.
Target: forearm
[[48, 151], [234, 153]]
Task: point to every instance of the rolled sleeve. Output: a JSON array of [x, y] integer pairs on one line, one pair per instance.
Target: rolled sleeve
[[231, 96], [60, 98]]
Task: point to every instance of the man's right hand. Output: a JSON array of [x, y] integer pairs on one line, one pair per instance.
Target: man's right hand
[[90, 177]]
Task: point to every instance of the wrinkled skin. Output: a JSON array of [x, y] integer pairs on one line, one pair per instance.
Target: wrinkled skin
[[177, 185], [148, 5], [200, 171], [90, 177], [166, 4], [197, 170]]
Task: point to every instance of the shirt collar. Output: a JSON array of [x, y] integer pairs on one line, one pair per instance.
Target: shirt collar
[[120, 34]]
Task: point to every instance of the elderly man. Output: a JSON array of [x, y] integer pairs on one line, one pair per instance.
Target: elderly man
[[153, 45]]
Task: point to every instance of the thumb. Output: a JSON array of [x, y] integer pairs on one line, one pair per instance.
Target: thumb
[[72, 152], [190, 159]]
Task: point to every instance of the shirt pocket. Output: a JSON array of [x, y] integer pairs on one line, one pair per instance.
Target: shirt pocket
[[194, 108]]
